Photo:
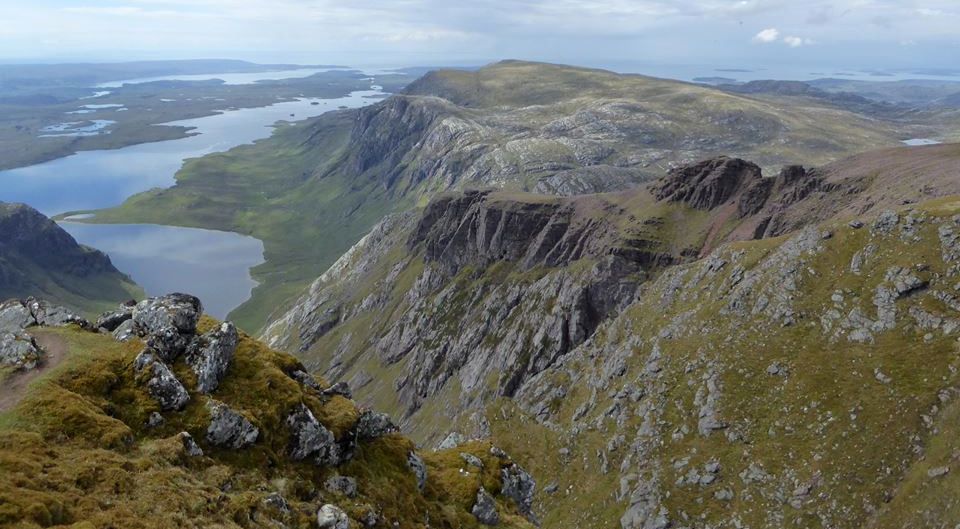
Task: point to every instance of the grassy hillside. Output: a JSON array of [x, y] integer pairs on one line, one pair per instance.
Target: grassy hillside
[[806, 379], [315, 188]]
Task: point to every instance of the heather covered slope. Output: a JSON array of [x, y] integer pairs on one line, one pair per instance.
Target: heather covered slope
[[717, 349], [122, 436], [313, 189], [38, 258]]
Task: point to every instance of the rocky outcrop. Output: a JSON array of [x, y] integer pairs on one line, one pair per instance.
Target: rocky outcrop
[[18, 350], [169, 323], [708, 184], [518, 485], [373, 425], [210, 356], [485, 508], [309, 438], [229, 428], [162, 384], [419, 469]]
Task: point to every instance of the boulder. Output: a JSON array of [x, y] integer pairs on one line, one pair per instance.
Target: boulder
[[452, 440], [124, 332], [485, 508], [228, 428], [374, 424], [15, 317], [341, 485], [471, 460], [340, 388], [190, 447], [48, 315], [211, 354], [419, 469], [277, 501], [310, 438], [332, 517], [168, 323], [19, 351], [519, 486], [305, 379], [112, 319], [160, 381], [155, 420]]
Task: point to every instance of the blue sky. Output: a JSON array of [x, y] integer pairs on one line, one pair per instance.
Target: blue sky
[[809, 34]]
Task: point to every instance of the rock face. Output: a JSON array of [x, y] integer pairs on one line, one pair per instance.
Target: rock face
[[210, 356], [708, 184], [160, 382], [169, 323], [228, 428]]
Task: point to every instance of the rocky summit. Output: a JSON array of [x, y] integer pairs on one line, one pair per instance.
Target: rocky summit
[[188, 422]]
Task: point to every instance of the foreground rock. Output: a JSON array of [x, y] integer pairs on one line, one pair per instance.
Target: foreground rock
[[228, 428], [332, 517], [210, 356], [168, 323], [160, 382]]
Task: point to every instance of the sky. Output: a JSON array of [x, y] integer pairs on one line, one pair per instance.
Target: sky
[[722, 33]]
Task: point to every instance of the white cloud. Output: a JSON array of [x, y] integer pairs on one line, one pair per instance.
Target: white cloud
[[766, 36], [796, 42]]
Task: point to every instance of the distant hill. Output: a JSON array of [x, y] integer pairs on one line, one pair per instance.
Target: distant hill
[[315, 188], [38, 258]]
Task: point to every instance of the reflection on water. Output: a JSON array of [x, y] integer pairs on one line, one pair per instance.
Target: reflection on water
[[916, 142], [100, 179], [227, 78], [212, 265], [77, 128]]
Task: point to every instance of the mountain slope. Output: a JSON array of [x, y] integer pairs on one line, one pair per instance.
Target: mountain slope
[[186, 423], [717, 346], [38, 258], [314, 189]]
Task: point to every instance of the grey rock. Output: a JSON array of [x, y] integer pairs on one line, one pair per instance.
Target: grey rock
[[310, 438], [168, 323], [419, 469], [340, 388], [19, 351], [190, 447], [519, 486], [124, 332], [904, 281], [112, 319], [374, 424], [885, 222], [471, 460], [485, 508], [155, 420], [341, 485], [210, 356], [452, 440], [938, 471], [723, 494], [855, 224], [551, 488], [47, 315], [305, 379], [160, 381], [277, 501], [15, 317], [881, 377], [332, 517], [228, 428]]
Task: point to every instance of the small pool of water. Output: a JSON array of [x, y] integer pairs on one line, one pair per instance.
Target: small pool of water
[[76, 128], [212, 265], [916, 142]]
